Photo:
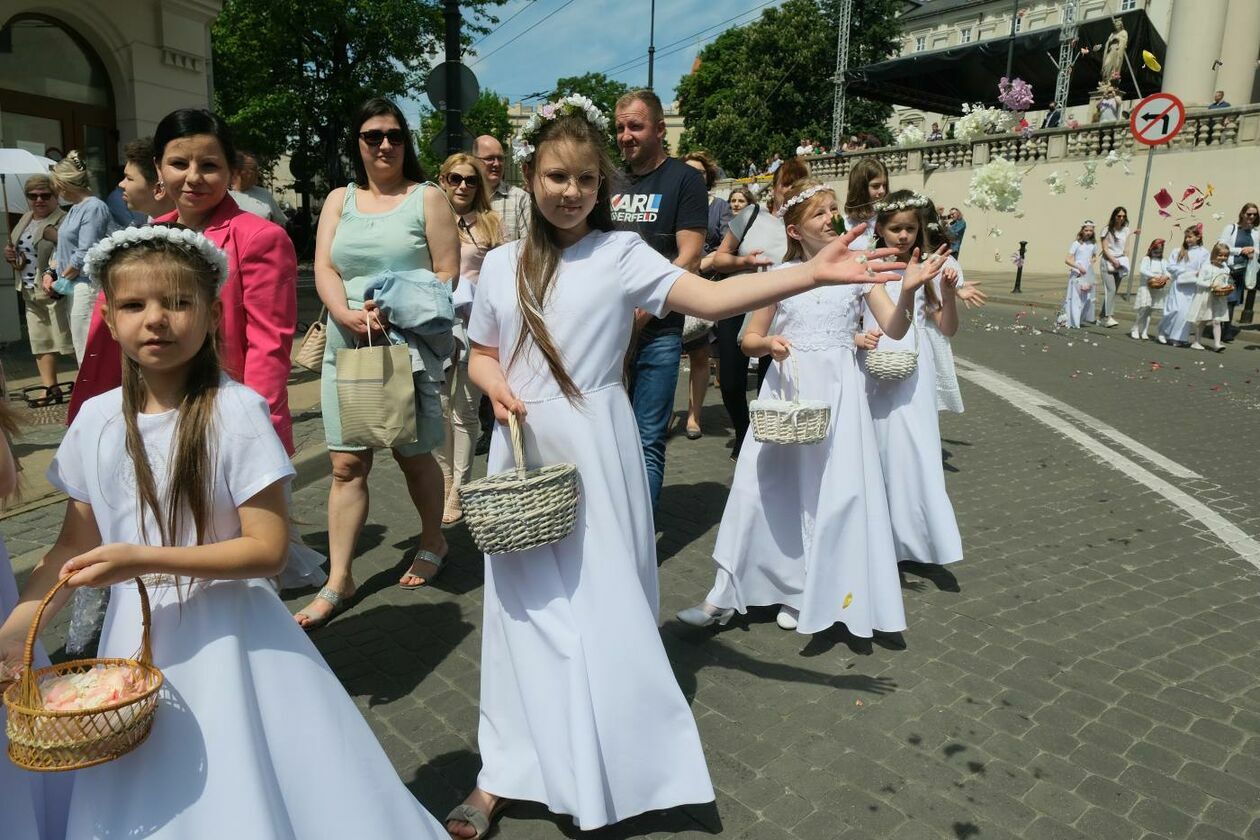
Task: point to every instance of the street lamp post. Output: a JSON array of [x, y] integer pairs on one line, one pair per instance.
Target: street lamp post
[[651, 43], [1010, 43]]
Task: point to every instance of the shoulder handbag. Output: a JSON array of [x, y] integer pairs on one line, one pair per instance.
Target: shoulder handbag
[[310, 354]]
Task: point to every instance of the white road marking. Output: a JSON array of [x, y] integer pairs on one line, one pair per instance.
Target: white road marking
[[1036, 404]]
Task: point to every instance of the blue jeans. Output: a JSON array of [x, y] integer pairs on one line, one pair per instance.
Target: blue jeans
[[653, 380]]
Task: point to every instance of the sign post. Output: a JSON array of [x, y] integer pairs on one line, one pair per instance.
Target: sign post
[[1153, 122]]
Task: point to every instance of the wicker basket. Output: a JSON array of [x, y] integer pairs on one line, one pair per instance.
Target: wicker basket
[[1223, 291], [785, 421], [1158, 282], [891, 365], [523, 509], [45, 740]]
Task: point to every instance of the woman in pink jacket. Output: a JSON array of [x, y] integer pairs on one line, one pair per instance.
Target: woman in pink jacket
[[194, 156]]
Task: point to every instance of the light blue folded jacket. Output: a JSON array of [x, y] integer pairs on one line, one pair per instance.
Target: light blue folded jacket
[[421, 315]]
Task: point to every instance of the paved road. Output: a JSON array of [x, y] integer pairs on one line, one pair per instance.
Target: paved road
[[1090, 670]]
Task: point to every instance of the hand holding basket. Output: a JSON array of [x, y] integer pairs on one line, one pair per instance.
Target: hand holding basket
[[51, 740], [522, 509]]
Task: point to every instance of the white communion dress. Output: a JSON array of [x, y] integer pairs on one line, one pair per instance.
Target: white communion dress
[[1078, 306], [1183, 269], [907, 427], [254, 736], [807, 525], [579, 707]]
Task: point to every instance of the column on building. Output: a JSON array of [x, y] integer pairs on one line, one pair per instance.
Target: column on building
[[1194, 42], [1239, 50]]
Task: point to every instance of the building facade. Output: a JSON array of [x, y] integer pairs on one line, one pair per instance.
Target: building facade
[[1194, 30]]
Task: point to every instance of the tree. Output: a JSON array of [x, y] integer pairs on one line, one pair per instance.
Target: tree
[[488, 115], [760, 88], [290, 73], [597, 87]]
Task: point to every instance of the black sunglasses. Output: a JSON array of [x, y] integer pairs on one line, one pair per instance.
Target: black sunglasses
[[455, 179], [395, 136], [38, 196]]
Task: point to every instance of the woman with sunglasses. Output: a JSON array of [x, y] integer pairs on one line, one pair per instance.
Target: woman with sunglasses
[[1243, 239], [480, 229], [30, 246], [387, 219]]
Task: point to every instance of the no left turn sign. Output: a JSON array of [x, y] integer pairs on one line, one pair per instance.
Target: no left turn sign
[[1157, 119]]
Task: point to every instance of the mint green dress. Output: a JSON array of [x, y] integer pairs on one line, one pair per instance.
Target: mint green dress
[[366, 244]]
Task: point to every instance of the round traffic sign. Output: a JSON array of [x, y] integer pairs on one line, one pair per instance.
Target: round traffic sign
[[466, 80], [1157, 119]]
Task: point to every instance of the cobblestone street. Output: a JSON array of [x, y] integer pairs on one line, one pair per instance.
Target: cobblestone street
[[1090, 670]]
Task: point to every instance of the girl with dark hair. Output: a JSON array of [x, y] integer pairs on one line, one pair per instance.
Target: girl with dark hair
[[868, 183], [549, 331], [178, 477], [388, 219]]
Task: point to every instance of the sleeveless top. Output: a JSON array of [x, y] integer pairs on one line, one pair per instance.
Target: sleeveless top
[[821, 319], [368, 243]]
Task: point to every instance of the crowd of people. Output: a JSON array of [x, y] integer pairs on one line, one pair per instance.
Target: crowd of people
[[571, 301], [1193, 287]]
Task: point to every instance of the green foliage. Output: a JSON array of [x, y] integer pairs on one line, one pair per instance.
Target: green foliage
[[597, 87], [760, 88], [289, 74], [488, 115]]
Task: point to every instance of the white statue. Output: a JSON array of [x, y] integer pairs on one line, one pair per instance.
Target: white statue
[[1113, 53]]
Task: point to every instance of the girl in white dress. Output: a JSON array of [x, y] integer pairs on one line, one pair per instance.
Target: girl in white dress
[[1206, 307], [579, 706], [1082, 259], [1149, 298], [1114, 243], [868, 183], [904, 411], [32, 805], [179, 477], [806, 527], [1183, 268]]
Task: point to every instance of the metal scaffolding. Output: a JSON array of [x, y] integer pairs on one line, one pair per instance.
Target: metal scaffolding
[[842, 66], [1067, 50]]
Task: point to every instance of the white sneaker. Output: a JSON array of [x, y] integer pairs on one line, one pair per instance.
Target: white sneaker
[[1133, 334], [1110, 322], [1161, 339], [787, 618], [699, 616], [1197, 346], [1145, 337]]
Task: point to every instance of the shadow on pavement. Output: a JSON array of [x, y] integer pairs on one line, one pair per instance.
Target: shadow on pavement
[[686, 513]]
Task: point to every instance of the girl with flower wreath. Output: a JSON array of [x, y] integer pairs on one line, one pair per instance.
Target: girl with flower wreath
[[806, 527], [579, 707], [907, 425], [179, 477], [1082, 260]]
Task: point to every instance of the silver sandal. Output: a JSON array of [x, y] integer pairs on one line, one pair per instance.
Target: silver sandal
[[339, 604], [476, 817], [427, 557]]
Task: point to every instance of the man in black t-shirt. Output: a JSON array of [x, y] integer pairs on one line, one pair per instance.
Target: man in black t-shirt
[[665, 201]]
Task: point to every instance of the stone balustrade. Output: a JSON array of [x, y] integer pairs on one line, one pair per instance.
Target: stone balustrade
[[1204, 128]]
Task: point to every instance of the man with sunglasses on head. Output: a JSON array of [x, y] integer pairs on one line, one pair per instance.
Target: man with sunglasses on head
[[511, 203]]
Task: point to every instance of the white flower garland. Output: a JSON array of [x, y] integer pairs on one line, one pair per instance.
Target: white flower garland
[[911, 135], [100, 254], [914, 202], [979, 121], [575, 103], [803, 196], [998, 185]]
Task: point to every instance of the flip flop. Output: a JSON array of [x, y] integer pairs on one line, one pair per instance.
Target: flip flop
[[477, 818], [339, 604], [428, 557]]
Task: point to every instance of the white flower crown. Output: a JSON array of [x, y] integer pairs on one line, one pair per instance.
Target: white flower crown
[[914, 202], [189, 241], [801, 197], [575, 103]]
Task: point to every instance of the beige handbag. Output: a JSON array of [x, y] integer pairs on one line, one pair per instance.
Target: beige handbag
[[376, 395], [310, 354]]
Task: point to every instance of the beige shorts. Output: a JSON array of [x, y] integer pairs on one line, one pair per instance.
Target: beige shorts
[[47, 322]]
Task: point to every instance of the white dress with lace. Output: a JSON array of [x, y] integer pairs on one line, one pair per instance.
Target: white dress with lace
[[908, 429], [808, 525]]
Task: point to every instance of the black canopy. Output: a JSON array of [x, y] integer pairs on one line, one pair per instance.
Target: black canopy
[[942, 80]]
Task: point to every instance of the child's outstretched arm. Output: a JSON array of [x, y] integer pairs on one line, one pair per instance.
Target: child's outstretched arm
[[835, 264], [78, 536], [947, 316], [895, 318], [260, 550]]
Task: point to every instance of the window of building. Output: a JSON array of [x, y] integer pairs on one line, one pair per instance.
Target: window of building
[[964, 35], [1128, 5], [920, 42], [1019, 23]]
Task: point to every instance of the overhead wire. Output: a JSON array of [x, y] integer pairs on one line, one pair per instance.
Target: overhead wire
[[525, 31], [503, 24]]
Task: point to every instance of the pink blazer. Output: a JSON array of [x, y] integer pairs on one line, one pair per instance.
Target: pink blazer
[[259, 316]]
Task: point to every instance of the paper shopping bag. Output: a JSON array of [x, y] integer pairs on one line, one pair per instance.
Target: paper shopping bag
[[377, 396]]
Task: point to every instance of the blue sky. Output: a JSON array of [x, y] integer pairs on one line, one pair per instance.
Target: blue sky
[[611, 36]]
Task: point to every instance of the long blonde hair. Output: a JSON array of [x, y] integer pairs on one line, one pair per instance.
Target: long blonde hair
[[70, 173], [539, 254], [189, 491], [487, 231]]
